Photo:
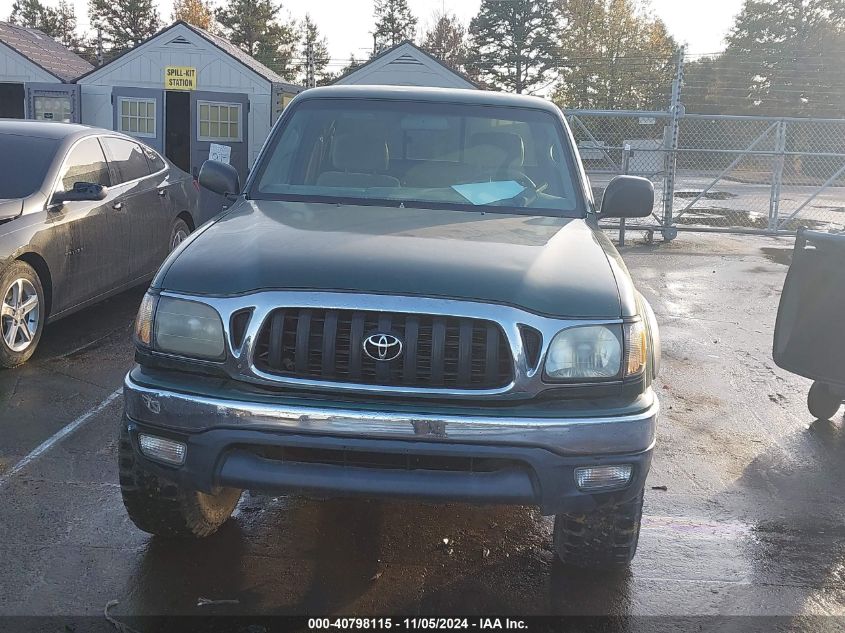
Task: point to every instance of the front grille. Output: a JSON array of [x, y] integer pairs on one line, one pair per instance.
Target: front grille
[[383, 461], [438, 351]]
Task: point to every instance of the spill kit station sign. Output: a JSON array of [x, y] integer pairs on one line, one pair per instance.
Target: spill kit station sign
[[180, 78]]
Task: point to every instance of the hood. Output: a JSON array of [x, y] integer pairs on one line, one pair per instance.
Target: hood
[[551, 266], [10, 209]]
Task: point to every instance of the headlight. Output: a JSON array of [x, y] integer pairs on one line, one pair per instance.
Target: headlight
[[589, 351], [188, 328]]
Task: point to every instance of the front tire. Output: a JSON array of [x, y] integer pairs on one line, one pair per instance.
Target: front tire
[[179, 232], [23, 311], [822, 401], [604, 538], [165, 508]]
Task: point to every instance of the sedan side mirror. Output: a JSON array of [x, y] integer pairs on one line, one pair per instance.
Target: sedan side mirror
[[220, 178], [628, 197], [81, 192]]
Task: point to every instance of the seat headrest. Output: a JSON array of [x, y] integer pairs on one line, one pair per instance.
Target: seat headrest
[[498, 149], [360, 152]]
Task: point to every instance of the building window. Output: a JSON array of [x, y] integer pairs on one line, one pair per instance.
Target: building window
[[219, 121], [52, 108], [138, 117]]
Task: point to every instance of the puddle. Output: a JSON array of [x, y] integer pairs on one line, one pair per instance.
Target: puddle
[[697, 526], [724, 217], [777, 255], [710, 195]]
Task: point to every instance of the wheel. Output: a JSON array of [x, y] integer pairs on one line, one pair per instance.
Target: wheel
[[178, 233], [165, 508], [602, 539], [22, 313], [822, 401]]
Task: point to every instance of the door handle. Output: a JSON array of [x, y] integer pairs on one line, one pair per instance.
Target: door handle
[[162, 192], [117, 206]]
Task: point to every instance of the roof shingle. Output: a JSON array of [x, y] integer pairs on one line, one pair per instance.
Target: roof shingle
[[44, 51]]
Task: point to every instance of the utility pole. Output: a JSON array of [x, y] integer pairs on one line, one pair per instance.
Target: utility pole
[[99, 46], [310, 75]]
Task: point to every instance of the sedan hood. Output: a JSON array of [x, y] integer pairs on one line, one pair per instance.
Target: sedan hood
[[552, 266]]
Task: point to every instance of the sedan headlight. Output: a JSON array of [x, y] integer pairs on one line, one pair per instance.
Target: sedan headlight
[[181, 327], [589, 351]]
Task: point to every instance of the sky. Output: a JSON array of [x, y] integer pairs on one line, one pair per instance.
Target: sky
[[348, 23]]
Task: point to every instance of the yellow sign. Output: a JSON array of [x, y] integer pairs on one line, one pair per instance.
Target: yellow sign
[[180, 78]]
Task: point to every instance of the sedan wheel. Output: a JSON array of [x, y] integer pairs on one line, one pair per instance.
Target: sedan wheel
[[20, 312], [23, 310], [178, 234]]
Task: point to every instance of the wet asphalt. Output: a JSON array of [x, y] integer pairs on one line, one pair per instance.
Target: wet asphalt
[[743, 516]]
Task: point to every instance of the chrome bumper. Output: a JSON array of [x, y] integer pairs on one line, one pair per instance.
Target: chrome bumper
[[188, 413]]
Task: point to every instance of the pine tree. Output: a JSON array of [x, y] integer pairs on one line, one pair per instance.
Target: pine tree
[[35, 15], [279, 49], [394, 23], [124, 23], [617, 56], [446, 40], [352, 64], [791, 52], [254, 27], [515, 44], [310, 35], [196, 12]]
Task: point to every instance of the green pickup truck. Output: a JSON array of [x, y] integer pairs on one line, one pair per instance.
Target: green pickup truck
[[409, 297]]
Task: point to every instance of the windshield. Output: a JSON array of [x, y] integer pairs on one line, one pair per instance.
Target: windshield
[[24, 162], [368, 151]]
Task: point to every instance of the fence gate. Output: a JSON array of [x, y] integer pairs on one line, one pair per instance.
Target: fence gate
[[721, 172]]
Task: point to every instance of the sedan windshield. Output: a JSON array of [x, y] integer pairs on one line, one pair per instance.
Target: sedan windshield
[[428, 154], [24, 161]]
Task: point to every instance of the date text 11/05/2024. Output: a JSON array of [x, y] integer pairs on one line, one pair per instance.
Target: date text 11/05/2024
[[492, 624]]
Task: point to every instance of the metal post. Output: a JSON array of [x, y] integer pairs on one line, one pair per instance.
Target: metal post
[[626, 157], [310, 79], [777, 175], [99, 52], [671, 149]]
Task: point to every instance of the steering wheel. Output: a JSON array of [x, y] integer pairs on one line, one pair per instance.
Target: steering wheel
[[520, 177]]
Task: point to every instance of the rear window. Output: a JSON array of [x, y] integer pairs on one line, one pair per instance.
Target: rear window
[[434, 154], [24, 162], [156, 162], [126, 158]]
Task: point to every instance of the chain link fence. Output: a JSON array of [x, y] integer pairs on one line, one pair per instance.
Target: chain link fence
[[720, 172]]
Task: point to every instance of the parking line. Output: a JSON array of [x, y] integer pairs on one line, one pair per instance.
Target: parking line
[[58, 437]]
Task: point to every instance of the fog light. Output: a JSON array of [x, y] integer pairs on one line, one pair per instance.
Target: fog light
[[163, 449], [593, 478]]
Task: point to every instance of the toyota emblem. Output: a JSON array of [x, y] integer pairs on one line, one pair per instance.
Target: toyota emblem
[[380, 346]]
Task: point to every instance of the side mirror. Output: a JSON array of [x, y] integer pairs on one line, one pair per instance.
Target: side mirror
[[628, 197], [81, 192], [220, 178]]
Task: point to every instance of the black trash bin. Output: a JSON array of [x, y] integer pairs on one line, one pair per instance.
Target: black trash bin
[[810, 329]]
